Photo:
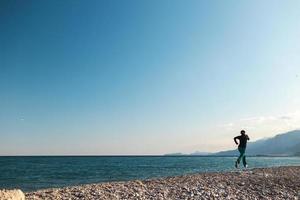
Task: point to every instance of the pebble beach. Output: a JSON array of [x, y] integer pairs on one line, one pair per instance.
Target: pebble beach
[[263, 183]]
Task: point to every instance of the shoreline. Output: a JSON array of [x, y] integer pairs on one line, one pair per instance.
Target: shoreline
[[257, 183]]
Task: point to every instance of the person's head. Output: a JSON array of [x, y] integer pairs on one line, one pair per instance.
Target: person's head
[[243, 132]]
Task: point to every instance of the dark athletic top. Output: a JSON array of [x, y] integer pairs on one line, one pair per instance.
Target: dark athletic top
[[243, 140]]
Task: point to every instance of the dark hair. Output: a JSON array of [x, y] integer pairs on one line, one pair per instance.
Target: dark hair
[[243, 132]]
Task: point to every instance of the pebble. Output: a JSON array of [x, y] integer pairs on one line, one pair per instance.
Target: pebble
[[265, 183]]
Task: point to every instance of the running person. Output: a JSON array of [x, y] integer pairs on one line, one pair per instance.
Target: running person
[[243, 138]]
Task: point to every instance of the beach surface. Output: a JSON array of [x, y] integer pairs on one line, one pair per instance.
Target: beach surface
[[263, 183]]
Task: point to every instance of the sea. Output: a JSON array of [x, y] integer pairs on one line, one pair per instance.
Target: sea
[[31, 173]]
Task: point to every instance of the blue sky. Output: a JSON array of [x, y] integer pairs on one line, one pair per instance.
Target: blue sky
[[145, 77]]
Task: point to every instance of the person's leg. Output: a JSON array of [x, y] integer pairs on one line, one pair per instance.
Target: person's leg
[[244, 161], [242, 153]]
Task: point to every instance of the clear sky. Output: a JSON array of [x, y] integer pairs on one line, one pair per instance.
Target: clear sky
[[146, 77]]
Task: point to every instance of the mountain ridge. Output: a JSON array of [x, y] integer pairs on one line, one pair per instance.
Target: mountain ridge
[[284, 144]]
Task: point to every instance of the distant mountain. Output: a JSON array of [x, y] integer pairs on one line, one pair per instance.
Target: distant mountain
[[174, 154], [196, 153], [286, 144], [200, 153]]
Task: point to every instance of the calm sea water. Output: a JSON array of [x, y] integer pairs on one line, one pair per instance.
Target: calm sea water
[[32, 173]]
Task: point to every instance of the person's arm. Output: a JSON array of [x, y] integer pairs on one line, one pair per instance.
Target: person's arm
[[235, 138], [248, 137]]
